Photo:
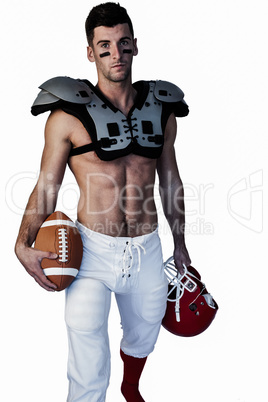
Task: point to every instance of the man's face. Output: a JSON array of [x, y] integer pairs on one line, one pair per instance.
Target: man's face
[[112, 51]]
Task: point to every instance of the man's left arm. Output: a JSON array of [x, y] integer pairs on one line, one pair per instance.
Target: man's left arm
[[172, 194]]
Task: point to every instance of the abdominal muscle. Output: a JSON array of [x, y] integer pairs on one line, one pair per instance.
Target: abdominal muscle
[[116, 197]]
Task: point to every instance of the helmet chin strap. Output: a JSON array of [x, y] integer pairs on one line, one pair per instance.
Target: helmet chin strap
[[181, 282], [179, 293], [177, 305]]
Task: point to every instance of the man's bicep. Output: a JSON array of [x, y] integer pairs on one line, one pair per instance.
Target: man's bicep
[[57, 147], [167, 165]]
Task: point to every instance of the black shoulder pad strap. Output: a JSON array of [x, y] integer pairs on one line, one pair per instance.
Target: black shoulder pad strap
[[102, 143], [61, 89]]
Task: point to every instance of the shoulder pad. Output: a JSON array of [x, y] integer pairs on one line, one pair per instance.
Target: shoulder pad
[[60, 89], [67, 89], [167, 92]]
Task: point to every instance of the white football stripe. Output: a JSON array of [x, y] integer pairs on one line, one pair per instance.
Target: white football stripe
[[58, 222], [60, 271]]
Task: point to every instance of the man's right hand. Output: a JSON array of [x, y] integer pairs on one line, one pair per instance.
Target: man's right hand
[[31, 260]]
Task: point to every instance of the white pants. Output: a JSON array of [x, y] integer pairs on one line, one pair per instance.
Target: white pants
[[132, 268]]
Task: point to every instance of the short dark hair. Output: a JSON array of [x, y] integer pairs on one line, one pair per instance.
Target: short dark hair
[[108, 15]]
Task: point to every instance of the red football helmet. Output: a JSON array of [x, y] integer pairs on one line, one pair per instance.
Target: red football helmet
[[190, 308]]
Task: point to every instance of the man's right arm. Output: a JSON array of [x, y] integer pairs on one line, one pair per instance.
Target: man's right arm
[[42, 201]]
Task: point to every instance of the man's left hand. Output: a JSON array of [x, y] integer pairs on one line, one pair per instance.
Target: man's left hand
[[181, 256]]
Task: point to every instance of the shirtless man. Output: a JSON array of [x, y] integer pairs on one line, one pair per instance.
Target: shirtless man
[[117, 216]]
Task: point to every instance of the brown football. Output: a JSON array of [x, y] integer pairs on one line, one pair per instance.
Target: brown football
[[59, 235]]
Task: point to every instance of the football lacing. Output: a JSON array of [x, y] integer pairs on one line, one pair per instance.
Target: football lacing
[[63, 245]]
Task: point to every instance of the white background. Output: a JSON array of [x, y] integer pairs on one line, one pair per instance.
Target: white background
[[216, 51]]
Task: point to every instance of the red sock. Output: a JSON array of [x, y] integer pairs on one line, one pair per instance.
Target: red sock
[[133, 367]]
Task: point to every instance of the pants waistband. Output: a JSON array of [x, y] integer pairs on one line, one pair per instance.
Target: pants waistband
[[107, 239]]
